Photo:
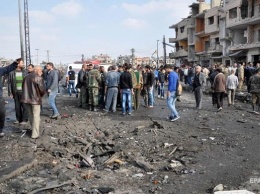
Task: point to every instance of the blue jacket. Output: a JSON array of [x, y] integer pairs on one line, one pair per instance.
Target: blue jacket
[[173, 81], [6, 70], [52, 80]]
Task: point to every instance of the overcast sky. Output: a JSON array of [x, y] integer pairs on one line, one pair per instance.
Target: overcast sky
[[69, 28]]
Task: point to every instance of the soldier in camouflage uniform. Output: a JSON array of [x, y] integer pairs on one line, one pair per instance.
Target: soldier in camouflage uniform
[[254, 88], [94, 79]]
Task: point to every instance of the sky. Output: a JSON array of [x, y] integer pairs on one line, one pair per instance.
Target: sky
[[70, 28]]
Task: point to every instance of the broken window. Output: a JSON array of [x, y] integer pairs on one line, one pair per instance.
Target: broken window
[[182, 29], [233, 13], [211, 20]]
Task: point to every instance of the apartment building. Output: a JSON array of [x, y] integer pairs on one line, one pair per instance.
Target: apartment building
[[224, 31]]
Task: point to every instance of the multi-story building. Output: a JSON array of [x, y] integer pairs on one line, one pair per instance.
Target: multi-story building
[[223, 31], [243, 29]]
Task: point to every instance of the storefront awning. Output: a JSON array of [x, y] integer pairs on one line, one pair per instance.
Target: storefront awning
[[238, 53], [217, 57]]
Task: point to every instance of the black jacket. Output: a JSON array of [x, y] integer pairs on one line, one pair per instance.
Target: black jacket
[[6, 70], [126, 81], [150, 79]]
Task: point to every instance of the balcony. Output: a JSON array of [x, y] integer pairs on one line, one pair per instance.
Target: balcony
[[215, 48], [243, 23], [172, 40], [179, 54], [244, 46]]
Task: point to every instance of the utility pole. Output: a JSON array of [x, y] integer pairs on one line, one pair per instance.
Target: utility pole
[[157, 57], [37, 56], [164, 50], [27, 35], [48, 56], [21, 29]]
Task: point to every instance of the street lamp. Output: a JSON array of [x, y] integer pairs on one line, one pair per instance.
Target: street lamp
[[157, 59]]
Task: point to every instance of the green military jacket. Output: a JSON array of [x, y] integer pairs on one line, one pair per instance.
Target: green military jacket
[[94, 78]]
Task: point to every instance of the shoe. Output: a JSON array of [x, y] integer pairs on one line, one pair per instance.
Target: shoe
[[175, 118], [159, 96], [2, 134], [24, 123], [90, 108], [105, 110], [77, 95], [16, 122], [94, 109], [129, 113], [55, 115], [220, 109], [123, 113], [170, 117], [150, 106], [113, 111]]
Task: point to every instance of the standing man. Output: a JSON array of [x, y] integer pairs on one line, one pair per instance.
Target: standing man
[[161, 80], [126, 89], [111, 89], [241, 76], [83, 87], [198, 86], [138, 85], [15, 80], [71, 81], [150, 82], [94, 79], [52, 89], [102, 86], [33, 91], [254, 88], [219, 87], [173, 83], [231, 84], [4, 71]]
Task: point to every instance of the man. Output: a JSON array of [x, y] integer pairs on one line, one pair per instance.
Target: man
[[94, 79], [254, 88], [249, 71], [111, 89], [30, 68], [15, 80], [126, 89], [3, 71], [137, 85], [241, 76], [82, 84], [71, 81], [173, 83], [161, 80], [120, 70], [102, 86], [144, 91], [231, 84], [198, 86], [150, 82], [211, 79], [219, 88], [52, 89], [33, 91]]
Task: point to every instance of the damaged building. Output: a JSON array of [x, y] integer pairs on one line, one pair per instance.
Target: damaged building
[[224, 31]]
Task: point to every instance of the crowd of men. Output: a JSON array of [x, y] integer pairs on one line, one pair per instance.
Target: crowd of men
[[121, 86]]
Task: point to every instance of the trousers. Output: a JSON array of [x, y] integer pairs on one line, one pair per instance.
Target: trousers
[[34, 118]]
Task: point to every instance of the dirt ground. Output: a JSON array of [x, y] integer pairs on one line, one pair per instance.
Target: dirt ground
[[87, 152]]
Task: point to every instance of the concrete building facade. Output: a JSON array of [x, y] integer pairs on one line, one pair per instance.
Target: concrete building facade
[[224, 31]]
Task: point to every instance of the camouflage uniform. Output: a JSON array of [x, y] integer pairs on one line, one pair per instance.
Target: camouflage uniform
[[94, 79], [254, 88]]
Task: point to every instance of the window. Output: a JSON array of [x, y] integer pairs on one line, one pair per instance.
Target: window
[[233, 13], [211, 20], [182, 29]]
